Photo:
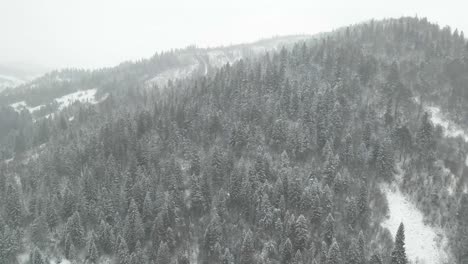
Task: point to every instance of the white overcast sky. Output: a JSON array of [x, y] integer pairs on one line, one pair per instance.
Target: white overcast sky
[[97, 33]]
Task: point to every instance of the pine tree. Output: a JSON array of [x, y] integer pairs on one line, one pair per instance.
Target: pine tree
[[334, 254], [227, 257], [398, 253], [376, 259], [362, 247], [329, 230], [287, 252], [52, 217], [247, 249], [133, 229], [265, 213], [13, 207], [122, 252], [164, 255], [353, 254], [75, 230], [36, 257], [197, 202], [39, 231], [217, 167], [461, 237], [298, 258], [300, 233], [92, 253], [138, 256], [195, 166], [105, 237]]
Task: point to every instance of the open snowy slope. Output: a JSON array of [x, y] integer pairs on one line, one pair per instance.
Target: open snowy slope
[[450, 128], [424, 244]]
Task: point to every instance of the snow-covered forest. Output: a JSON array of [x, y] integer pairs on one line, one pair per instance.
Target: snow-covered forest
[[349, 147]]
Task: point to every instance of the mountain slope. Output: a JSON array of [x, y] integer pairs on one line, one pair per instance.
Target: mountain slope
[[273, 158]]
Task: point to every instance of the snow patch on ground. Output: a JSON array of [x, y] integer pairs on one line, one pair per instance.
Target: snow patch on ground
[[9, 81], [163, 78], [83, 96], [424, 244], [451, 129], [20, 106], [219, 58]]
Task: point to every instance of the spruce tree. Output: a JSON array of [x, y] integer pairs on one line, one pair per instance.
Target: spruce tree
[[92, 253], [398, 254], [164, 255], [75, 230], [329, 230], [334, 254], [375, 259], [133, 229], [13, 208], [287, 252], [36, 257], [122, 252], [247, 249], [300, 233]]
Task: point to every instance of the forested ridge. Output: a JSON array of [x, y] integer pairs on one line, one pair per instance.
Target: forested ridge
[[276, 158]]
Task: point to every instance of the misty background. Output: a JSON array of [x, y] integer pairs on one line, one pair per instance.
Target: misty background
[[43, 35]]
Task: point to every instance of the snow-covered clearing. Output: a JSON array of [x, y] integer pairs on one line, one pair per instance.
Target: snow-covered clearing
[[163, 78], [451, 129], [19, 106], [218, 58], [83, 96], [424, 243], [9, 81]]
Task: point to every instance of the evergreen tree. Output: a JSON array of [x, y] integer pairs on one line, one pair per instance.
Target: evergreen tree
[[13, 207], [92, 253], [227, 257], [122, 252], [353, 255], [334, 254], [461, 237], [300, 233], [75, 230], [398, 253], [164, 256], [376, 259], [39, 231], [213, 234], [247, 249], [329, 229], [36, 257], [133, 229], [287, 252]]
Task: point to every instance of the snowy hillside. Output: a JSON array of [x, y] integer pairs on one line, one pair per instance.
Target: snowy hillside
[[450, 128], [424, 244], [82, 96], [9, 82]]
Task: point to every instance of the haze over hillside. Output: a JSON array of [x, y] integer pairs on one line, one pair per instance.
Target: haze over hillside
[[95, 34]]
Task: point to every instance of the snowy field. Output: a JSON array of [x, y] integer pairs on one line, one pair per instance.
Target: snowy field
[[19, 106], [9, 81], [163, 78], [450, 128], [424, 244], [83, 96]]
